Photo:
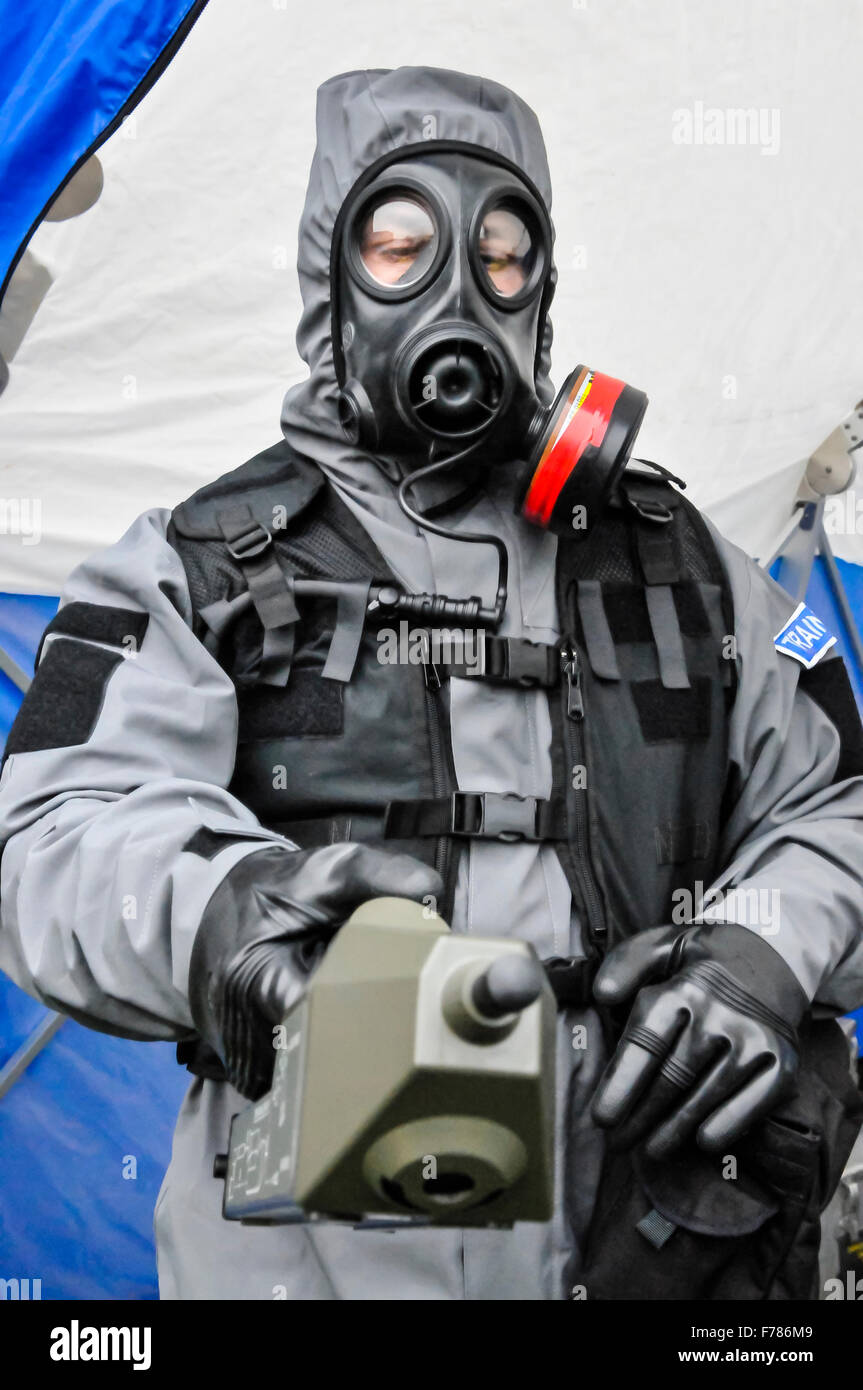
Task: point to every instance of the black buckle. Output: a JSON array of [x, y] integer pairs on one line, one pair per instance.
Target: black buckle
[[515, 661], [652, 511], [494, 816], [250, 543], [571, 979], [641, 496], [531, 663]]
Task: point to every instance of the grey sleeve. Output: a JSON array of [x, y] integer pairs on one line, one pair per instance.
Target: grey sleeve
[[119, 758], [793, 831]]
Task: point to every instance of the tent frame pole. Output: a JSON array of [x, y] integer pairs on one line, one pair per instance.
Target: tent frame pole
[[10, 668], [840, 595], [784, 537], [30, 1048], [802, 541]]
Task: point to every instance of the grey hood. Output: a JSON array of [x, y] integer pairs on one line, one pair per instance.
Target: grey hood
[[361, 118]]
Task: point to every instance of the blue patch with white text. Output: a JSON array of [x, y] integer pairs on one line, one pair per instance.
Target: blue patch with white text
[[804, 637]]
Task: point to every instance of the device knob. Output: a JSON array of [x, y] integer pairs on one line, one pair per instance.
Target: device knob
[[508, 985]]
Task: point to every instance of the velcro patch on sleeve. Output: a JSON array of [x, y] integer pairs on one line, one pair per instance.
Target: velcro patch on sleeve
[[804, 637], [97, 622], [830, 688], [62, 705]]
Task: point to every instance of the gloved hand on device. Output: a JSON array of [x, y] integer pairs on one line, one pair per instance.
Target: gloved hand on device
[[247, 966], [710, 1045]]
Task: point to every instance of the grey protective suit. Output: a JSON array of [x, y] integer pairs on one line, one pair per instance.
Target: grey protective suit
[[100, 903]]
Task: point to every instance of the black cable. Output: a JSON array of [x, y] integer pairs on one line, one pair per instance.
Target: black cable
[[473, 537]]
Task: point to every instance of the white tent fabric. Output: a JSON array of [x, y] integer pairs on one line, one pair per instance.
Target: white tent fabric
[[708, 256]]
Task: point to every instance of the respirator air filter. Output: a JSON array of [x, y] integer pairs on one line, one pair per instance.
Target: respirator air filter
[[578, 449]]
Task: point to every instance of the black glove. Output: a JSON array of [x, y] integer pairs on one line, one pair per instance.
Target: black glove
[[711, 1049], [263, 930]]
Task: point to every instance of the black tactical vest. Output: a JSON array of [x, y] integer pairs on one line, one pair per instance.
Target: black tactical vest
[[334, 744]]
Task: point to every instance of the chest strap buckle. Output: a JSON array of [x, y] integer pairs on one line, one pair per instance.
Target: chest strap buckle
[[525, 663], [476, 816], [510, 661], [495, 816]]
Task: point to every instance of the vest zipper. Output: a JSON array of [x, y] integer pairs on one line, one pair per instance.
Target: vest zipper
[[431, 675], [574, 744], [443, 771], [571, 668]]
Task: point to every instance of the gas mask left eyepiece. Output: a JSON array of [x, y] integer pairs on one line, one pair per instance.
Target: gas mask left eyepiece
[[441, 279]]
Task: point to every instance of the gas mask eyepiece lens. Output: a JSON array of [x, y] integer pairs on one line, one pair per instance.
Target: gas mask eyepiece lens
[[397, 239], [507, 250]]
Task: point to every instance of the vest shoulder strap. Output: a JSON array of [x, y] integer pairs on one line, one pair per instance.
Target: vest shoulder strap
[[275, 483]]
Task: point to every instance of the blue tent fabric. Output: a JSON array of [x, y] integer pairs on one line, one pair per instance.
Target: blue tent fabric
[[88, 1103], [822, 601], [68, 75], [85, 1137], [88, 1108]]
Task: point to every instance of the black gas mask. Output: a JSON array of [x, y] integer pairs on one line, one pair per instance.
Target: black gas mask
[[443, 277]]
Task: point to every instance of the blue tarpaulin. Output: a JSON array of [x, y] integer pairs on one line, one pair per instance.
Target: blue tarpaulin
[[85, 1134], [68, 74]]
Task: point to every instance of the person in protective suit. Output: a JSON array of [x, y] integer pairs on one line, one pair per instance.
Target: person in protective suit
[[213, 767]]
